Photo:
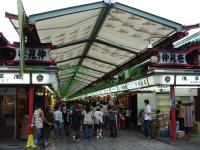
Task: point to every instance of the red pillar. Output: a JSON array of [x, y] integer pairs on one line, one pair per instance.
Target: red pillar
[[31, 93], [173, 113]]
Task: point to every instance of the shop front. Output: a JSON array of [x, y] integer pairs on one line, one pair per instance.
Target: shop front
[[164, 88], [15, 97]]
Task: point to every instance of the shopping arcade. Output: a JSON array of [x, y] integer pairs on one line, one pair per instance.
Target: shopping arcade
[[81, 65]]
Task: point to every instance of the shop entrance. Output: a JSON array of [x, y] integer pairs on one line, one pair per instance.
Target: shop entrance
[[133, 107], [7, 117]]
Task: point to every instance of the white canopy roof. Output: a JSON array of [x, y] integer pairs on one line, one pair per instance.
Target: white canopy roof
[[96, 38]]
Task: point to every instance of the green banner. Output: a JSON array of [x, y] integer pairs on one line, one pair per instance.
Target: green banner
[[21, 21]]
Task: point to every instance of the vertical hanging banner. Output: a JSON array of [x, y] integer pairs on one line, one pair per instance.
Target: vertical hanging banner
[[21, 21]]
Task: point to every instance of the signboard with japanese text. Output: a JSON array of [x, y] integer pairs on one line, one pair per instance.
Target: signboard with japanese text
[[102, 91], [172, 57], [98, 92], [40, 54], [113, 89], [137, 84], [161, 80], [14, 78], [122, 87], [43, 78], [107, 90], [187, 80]]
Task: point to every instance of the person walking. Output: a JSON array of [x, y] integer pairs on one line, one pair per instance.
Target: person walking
[[87, 121], [105, 114], [181, 115], [147, 119], [98, 117], [67, 120], [58, 119], [38, 122], [128, 118], [48, 127], [113, 111], [76, 115]]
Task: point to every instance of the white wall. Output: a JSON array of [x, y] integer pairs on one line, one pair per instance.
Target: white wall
[[150, 96], [185, 92]]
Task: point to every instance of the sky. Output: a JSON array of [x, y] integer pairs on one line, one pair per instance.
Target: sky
[[185, 12]]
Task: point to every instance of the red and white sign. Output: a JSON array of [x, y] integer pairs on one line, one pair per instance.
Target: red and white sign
[[33, 54], [172, 58]]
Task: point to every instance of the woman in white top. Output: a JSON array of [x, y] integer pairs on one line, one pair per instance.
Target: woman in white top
[[87, 121]]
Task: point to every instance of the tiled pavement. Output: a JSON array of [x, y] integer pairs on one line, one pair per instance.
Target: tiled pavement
[[127, 140]]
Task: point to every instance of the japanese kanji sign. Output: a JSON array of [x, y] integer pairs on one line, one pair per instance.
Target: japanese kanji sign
[[170, 57], [14, 78], [137, 84], [187, 80], [34, 54], [122, 87]]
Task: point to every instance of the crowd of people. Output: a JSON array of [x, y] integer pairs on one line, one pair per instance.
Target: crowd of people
[[73, 117]]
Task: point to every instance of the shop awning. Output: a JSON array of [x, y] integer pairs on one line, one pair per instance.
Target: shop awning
[[96, 38]]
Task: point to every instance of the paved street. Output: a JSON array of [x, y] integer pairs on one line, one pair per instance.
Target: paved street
[[127, 140]]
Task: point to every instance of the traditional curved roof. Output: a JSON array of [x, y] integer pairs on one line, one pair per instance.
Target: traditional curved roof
[[190, 39], [96, 38]]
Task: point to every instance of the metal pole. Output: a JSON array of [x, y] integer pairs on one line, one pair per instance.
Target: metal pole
[[173, 113]]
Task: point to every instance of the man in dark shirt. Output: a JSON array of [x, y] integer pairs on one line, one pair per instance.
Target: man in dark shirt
[[76, 122], [112, 110]]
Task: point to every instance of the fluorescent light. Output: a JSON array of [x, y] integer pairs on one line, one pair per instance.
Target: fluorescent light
[[48, 89]]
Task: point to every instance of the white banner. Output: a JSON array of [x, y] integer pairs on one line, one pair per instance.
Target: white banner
[[161, 80], [113, 89], [14, 78], [137, 84], [107, 90], [122, 87], [43, 78], [187, 80]]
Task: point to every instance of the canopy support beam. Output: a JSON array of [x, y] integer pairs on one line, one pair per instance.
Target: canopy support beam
[[99, 60], [96, 29], [115, 46]]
